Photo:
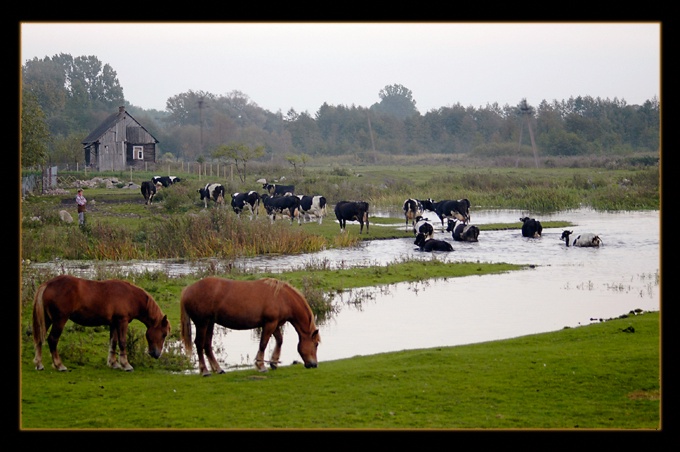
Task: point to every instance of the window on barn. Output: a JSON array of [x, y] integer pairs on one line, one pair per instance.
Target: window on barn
[[138, 152]]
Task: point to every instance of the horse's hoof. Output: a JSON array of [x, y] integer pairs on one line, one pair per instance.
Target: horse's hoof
[[274, 366], [129, 369], [206, 374], [222, 371], [262, 369], [62, 369], [39, 367]]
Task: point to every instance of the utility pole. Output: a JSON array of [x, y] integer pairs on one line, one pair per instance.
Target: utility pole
[[200, 112], [526, 113]]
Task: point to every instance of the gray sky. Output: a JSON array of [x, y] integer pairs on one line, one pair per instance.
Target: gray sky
[[280, 66]]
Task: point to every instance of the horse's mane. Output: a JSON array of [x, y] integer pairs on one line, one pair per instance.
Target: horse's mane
[[277, 284], [153, 309]]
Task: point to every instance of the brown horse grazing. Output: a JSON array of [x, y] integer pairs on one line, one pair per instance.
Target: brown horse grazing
[[243, 305], [94, 303]]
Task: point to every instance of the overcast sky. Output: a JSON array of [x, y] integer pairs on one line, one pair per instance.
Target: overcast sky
[[280, 66]]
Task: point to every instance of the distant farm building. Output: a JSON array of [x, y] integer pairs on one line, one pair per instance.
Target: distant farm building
[[119, 143]]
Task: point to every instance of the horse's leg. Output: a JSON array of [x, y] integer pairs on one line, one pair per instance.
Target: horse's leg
[[39, 345], [53, 340], [112, 361], [274, 360], [267, 332], [214, 365], [199, 341], [122, 345]]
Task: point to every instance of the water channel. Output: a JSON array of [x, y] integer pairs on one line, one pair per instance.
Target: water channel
[[566, 287]]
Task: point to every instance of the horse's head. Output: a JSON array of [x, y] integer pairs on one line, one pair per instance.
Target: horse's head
[[307, 348], [155, 336]]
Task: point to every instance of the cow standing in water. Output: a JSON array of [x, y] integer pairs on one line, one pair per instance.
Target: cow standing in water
[[412, 210], [460, 209]]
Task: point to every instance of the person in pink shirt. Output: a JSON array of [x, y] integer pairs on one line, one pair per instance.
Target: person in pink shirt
[[82, 202]]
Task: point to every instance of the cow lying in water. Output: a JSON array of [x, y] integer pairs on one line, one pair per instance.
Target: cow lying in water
[[531, 227], [463, 232], [587, 239], [431, 244], [423, 226]]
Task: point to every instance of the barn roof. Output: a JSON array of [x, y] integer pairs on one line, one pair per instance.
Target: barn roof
[[109, 122]]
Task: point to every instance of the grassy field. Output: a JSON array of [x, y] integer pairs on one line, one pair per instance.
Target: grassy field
[[600, 376]]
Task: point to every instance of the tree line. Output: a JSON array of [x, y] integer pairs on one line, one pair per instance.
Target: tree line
[[65, 98]]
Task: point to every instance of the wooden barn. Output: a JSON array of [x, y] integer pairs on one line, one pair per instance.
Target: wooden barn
[[119, 143]]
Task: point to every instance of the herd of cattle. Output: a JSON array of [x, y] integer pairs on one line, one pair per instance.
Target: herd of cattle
[[281, 200]]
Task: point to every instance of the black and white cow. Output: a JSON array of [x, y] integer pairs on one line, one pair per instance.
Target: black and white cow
[[463, 232], [352, 211], [423, 226], [283, 205], [425, 244], [531, 227], [313, 206], [242, 201], [148, 191], [459, 209], [166, 181], [587, 239], [214, 192], [278, 190], [413, 208]]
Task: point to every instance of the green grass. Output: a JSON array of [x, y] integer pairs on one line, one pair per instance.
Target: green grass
[[600, 376]]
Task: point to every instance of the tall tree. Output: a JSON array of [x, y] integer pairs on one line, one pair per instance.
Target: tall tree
[[35, 137], [396, 100], [71, 91], [241, 154]]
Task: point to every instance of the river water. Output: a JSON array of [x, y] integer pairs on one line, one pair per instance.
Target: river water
[[566, 287]]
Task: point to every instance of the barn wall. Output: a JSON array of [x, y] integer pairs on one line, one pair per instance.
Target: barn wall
[[149, 154]]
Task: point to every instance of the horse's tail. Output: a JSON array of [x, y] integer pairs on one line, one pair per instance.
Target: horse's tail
[[39, 328], [185, 326]]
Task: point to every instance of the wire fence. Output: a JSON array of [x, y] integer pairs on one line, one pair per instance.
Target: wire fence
[[52, 180]]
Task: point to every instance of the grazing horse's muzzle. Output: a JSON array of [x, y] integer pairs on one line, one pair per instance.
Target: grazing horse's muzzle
[[154, 353], [311, 365]]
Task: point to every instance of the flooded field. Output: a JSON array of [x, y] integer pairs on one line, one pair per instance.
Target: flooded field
[[567, 287]]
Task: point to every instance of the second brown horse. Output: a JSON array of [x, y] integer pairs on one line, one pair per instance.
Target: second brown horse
[[243, 305]]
